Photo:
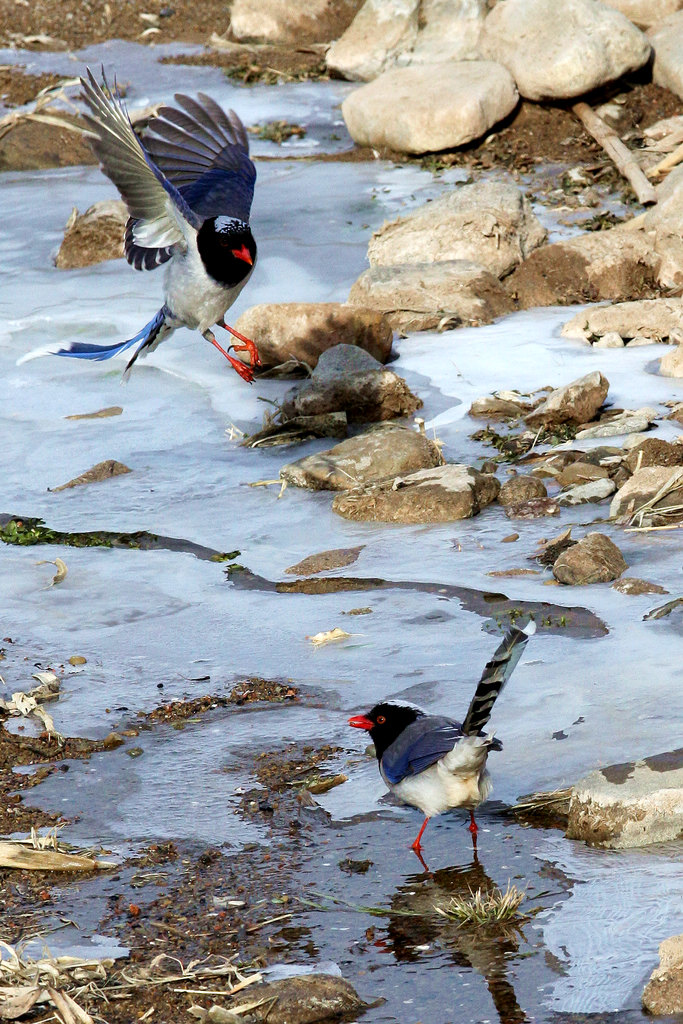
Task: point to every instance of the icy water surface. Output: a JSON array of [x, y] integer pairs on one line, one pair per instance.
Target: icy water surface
[[602, 694]]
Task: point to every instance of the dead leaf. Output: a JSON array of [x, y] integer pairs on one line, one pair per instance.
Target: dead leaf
[[17, 1000], [111, 410], [61, 573], [335, 558], [329, 636], [102, 471], [16, 855]]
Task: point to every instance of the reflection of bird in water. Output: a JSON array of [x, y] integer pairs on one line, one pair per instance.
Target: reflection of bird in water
[[484, 948], [433, 762]]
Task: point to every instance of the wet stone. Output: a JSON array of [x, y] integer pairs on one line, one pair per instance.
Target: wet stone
[[102, 471], [440, 495], [521, 488], [492, 408], [577, 402], [336, 558], [369, 457], [581, 473], [594, 559], [534, 508], [635, 587], [306, 999], [631, 804]]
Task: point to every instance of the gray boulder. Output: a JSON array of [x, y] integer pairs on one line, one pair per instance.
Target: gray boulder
[[426, 108], [490, 223], [425, 296], [632, 804], [349, 380], [556, 51], [581, 494]]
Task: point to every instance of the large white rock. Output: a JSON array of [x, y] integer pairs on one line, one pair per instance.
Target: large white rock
[[423, 296], [387, 32], [430, 107], [490, 223], [290, 21], [558, 50], [667, 42], [645, 12], [633, 804]]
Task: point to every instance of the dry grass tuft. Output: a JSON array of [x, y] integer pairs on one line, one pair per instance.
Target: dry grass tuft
[[492, 907]]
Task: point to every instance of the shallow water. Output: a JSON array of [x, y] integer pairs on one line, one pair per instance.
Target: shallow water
[[147, 617]]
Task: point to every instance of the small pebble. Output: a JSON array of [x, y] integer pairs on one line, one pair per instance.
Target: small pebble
[[510, 537]]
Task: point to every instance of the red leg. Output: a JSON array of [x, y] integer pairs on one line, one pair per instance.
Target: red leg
[[244, 371], [416, 845], [247, 344], [472, 827]]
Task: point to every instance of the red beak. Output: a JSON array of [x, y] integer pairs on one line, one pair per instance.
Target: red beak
[[243, 254], [361, 722]]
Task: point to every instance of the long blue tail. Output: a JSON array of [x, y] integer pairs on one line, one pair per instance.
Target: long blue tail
[[145, 339]]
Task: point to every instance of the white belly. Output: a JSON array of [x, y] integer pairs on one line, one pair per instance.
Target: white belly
[[193, 297], [459, 779]]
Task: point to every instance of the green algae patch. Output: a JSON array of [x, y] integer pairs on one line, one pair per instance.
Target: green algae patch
[[25, 532]]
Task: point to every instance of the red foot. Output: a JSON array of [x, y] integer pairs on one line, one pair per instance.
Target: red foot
[[245, 372], [247, 344]]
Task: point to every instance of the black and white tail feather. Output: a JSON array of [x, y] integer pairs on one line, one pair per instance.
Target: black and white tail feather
[[494, 677]]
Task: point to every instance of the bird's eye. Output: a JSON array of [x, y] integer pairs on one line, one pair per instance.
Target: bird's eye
[[381, 719]]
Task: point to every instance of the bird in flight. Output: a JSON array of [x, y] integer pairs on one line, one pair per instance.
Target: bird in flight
[[433, 762], [188, 190]]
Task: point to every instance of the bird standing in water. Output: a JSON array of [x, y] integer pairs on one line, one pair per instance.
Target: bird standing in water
[[433, 762], [188, 190]]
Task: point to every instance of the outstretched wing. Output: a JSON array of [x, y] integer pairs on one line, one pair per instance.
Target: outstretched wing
[[420, 745], [160, 213], [204, 151]]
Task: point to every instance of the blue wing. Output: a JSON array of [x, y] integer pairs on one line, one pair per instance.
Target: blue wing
[[420, 745]]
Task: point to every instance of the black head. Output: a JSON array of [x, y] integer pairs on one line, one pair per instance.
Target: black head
[[385, 723], [227, 249]]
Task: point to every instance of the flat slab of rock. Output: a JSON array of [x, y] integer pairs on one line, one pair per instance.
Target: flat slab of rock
[[556, 51], [638, 494], [498, 407], [613, 264], [441, 495], [630, 421], [424, 296], [594, 559], [632, 804], [490, 223], [663, 993], [302, 330], [424, 109], [366, 458], [635, 587], [94, 236], [667, 43], [34, 145], [581, 494], [577, 402], [323, 561], [290, 21], [660, 320], [385, 33]]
